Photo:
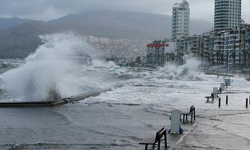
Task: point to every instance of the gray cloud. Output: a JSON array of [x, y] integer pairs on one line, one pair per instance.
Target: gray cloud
[[52, 9]]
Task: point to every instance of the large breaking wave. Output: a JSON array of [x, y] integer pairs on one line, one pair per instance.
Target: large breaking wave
[[47, 72]]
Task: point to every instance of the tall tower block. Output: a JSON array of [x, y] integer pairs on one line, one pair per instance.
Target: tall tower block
[[180, 20], [227, 14]]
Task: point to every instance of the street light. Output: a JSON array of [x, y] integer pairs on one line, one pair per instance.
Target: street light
[[227, 62]]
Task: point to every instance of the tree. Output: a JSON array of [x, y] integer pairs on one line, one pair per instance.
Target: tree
[[240, 59], [167, 57], [180, 57], [221, 58], [245, 57], [172, 56], [248, 59], [234, 55], [138, 59], [212, 55], [217, 58]]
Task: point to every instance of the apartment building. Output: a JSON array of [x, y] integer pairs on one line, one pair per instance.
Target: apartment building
[[156, 53], [227, 14], [228, 47], [180, 20]]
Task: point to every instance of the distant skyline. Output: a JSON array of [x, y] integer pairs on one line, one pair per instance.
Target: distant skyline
[[53, 9]]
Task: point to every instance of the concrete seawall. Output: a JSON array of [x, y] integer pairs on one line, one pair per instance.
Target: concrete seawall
[[56, 103]]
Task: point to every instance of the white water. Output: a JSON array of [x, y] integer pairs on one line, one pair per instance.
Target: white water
[[48, 69], [187, 71]]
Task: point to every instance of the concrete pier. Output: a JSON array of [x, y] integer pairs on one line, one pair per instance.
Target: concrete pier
[[56, 103]]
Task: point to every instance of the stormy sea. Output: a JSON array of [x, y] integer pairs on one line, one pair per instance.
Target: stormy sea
[[118, 119]]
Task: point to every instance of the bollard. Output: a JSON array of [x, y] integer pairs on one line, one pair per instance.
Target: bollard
[[249, 99], [246, 102], [219, 101], [227, 100]]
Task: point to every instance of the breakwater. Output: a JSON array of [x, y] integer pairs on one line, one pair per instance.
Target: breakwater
[[63, 101]]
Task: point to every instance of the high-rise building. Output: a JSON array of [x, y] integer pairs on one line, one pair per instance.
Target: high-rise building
[[180, 20], [227, 14]]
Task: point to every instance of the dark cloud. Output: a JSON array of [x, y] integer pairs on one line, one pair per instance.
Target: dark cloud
[[52, 9]]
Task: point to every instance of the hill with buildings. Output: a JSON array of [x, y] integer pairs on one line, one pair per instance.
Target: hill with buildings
[[19, 41]]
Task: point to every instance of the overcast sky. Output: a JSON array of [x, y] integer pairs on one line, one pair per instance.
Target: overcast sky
[[53, 9]]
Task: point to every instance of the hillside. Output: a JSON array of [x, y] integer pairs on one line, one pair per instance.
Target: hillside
[[125, 25], [19, 41], [6, 23]]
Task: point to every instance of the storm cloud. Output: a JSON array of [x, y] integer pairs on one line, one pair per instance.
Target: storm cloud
[[53, 9]]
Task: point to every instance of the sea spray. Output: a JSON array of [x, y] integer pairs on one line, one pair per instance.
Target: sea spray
[[187, 71], [171, 71], [47, 72]]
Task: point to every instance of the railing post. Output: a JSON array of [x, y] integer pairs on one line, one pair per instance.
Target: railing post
[[212, 96], [191, 117], [227, 100], [219, 102], [194, 113], [246, 102]]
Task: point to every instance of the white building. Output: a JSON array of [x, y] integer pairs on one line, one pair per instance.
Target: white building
[[227, 14], [93, 39], [180, 20]]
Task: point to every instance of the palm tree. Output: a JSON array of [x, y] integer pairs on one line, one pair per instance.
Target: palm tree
[[245, 57], [248, 58], [234, 55], [212, 55], [138, 59], [221, 58], [180, 57], [172, 56], [167, 57], [240, 59], [217, 57]]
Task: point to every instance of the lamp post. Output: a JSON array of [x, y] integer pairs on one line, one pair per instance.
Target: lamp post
[[248, 56], [234, 55], [206, 61], [227, 62]]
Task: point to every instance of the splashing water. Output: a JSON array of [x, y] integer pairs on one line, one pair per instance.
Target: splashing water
[[186, 71], [47, 73]]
